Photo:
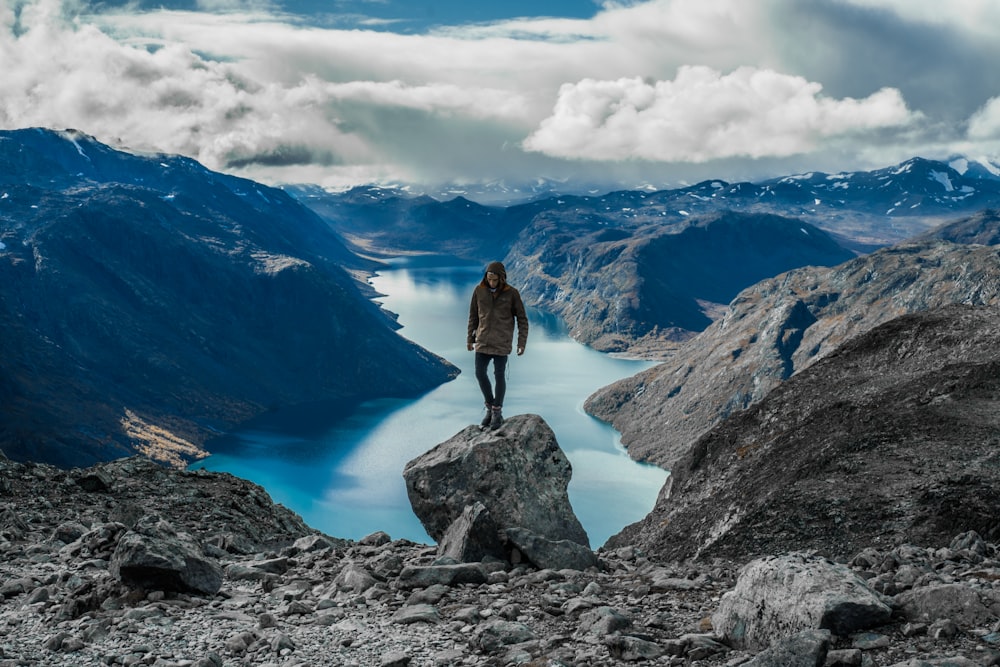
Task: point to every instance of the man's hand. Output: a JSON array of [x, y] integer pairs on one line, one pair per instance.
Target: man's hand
[[520, 351], [471, 346]]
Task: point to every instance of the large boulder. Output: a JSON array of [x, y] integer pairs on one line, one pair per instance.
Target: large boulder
[[778, 597], [517, 473], [154, 556]]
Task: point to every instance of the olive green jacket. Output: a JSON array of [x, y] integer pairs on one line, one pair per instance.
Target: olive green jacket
[[491, 320]]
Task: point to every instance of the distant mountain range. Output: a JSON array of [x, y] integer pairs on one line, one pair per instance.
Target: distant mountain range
[[147, 303], [639, 271]]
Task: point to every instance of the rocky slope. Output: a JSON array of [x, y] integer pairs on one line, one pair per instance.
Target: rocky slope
[[779, 327], [147, 303], [85, 557], [894, 436]]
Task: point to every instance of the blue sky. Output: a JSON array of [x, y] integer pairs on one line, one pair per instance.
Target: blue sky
[[659, 92]]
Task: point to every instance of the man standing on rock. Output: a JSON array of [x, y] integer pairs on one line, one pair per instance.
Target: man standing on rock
[[494, 309]]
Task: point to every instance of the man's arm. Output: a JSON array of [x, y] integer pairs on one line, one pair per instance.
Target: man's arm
[[470, 336], [522, 322]]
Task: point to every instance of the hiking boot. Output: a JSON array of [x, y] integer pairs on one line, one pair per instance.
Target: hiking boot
[[488, 419], [496, 419]]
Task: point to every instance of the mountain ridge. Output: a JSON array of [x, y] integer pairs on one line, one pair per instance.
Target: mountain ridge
[[779, 326], [148, 315]]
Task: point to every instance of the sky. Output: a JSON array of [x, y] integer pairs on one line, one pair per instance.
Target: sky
[[620, 93]]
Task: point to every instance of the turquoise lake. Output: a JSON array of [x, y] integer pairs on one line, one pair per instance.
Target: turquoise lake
[[341, 470]]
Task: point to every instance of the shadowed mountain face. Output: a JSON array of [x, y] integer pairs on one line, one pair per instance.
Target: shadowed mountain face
[[890, 439], [780, 326], [147, 303]]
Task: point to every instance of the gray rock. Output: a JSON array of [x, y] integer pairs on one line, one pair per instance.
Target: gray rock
[[416, 576], [156, 557], [805, 649], [495, 635], [354, 578], [395, 659], [956, 661], [474, 535], [417, 613], [550, 554], [778, 597], [603, 621], [518, 473], [632, 649], [966, 607]]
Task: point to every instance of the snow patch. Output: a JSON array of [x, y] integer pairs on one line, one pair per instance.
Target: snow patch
[[989, 166], [683, 213], [804, 231], [3, 246], [902, 169], [943, 179], [817, 202], [961, 165], [717, 185]]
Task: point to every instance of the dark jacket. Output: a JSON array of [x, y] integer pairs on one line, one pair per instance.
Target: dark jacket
[[492, 315]]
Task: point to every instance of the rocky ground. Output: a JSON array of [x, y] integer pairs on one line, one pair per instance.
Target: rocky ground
[[287, 596]]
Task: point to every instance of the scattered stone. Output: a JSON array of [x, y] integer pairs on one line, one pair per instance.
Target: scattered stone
[[324, 601]]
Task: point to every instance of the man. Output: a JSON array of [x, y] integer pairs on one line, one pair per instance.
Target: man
[[495, 307]]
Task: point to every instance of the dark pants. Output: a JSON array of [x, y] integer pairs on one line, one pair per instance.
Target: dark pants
[[499, 366]]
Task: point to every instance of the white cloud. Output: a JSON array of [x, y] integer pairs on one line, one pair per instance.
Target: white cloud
[[985, 123], [972, 17], [665, 84], [703, 115]]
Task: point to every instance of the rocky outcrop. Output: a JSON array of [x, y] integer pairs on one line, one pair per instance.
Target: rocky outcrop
[[147, 304], [638, 285], [779, 327], [500, 493], [290, 596], [780, 596], [890, 438]]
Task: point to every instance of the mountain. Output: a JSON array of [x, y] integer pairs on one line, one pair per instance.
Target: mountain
[[983, 228], [891, 439], [608, 263], [147, 303], [625, 287], [389, 222], [782, 325]]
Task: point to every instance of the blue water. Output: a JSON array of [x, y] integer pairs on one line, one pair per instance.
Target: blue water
[[341, 470]]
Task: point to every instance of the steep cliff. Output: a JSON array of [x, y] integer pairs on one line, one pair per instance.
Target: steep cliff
[[147, 303]]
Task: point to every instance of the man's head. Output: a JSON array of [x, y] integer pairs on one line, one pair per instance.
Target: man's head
[[496, 275]]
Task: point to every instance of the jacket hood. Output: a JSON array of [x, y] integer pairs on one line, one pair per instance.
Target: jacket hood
[[497, 268]]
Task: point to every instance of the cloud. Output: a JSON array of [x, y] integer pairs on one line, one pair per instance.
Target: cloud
[[657, 91], [985, 123], [704, 115]]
